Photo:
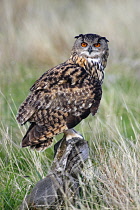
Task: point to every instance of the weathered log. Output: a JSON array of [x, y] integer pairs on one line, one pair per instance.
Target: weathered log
[[61, 185]]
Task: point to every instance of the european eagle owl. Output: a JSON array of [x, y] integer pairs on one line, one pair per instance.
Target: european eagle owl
[[65, 94]]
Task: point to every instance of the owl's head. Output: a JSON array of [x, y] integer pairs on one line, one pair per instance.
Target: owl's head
[[90, 46]]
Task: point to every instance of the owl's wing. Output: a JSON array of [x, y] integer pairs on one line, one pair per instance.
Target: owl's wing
[[55, 90]]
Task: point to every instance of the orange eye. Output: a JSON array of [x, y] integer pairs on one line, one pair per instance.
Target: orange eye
[[97, 45], [83, 44]]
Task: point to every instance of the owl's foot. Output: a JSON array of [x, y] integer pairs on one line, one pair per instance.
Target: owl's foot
[[71, 133]]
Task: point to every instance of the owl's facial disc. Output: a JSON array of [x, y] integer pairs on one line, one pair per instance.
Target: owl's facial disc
[[91, 52], [90, 46], [90, 49]]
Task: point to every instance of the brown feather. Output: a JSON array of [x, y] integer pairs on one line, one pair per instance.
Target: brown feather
[[63, 96]]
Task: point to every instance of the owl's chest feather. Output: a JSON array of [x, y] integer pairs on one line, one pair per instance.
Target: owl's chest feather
[[93, 66]]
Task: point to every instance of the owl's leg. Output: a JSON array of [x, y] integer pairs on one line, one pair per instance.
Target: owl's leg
[[71, 133]]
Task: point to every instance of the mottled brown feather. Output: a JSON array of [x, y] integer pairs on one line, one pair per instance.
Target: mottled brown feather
[[61, 98]]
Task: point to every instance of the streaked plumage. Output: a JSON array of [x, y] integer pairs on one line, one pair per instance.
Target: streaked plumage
[[65, 94]]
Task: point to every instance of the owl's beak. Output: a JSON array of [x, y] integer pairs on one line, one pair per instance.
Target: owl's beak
[[90, 50]]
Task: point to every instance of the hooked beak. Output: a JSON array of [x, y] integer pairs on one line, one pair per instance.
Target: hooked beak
[[90, 50]]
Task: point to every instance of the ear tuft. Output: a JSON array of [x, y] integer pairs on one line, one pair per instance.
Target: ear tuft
[[80, 35], [104, 39]]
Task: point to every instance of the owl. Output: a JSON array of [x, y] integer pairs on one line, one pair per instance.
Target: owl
[[65, 94]]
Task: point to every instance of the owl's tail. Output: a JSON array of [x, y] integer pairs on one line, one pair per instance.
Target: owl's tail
[[36, 138]]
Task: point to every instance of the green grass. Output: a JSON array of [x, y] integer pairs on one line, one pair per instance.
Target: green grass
[[32, 40], [113, 135]]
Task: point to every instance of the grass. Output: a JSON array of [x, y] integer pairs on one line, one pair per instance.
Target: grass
[[31, 42]]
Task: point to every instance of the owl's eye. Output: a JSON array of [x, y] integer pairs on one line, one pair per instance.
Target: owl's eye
[[97, 45], [83, 44]]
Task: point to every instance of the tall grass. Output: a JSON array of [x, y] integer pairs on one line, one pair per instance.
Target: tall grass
[[36, 35]]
